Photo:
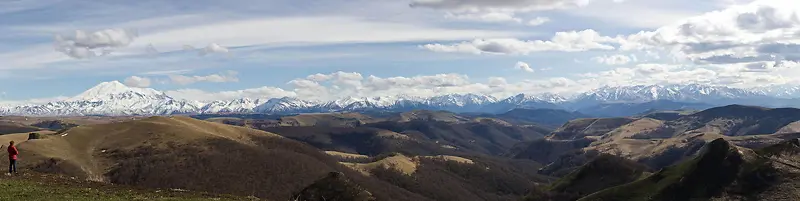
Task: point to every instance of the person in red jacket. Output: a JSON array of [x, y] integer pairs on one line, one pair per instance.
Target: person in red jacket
[[12, 158]]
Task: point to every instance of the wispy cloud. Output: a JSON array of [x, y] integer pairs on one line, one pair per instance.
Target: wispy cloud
[[229, 76]]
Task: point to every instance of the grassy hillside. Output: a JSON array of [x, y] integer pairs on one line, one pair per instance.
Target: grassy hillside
[[34, 186], [8, 127], [479, 137], [366, 141], [479, 179], [148, 152], [721, 172], [603, 172]]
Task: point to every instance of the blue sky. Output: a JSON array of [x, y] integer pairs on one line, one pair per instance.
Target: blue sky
[[327, 49]]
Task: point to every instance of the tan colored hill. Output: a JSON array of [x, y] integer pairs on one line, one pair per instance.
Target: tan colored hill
[[181, 152], [401, 163], [657, 143], [404, 164], [580, 128]]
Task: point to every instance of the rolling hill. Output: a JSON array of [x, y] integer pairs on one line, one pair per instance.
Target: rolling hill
[[721, 171], [146, 152]]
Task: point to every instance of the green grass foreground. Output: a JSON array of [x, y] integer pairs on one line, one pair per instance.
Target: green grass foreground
[[49, 187]]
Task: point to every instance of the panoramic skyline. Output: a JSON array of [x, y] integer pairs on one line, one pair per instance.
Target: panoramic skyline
[[206, 50]]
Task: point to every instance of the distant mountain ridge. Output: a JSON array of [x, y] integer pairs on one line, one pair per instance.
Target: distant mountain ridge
[[115, 99]]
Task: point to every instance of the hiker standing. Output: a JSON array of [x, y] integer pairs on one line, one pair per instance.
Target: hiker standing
[[12, 158]]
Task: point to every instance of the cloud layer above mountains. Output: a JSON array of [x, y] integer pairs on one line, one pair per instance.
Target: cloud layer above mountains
[[331, 49]]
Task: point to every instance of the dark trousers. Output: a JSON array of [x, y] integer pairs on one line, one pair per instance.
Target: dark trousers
[[12, 166]]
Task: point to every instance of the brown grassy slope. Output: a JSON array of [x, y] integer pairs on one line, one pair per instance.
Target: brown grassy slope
[[181, 152], [737, 120], [486, 179], [721, 172], [480, 137], [365, 141], [579, 128], [8, 127]]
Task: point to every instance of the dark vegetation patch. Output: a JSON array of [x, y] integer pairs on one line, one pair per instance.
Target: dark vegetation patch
[[487, 179], [273, 169], [546, 151], [550, 118], [335, 186], [363, 141], [602, 172], [701, 178], [54, 125], [485, 138], [7, 127]]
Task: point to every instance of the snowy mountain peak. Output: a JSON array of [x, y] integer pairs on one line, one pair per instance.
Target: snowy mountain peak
[[114, 98], [105, 90], [542, 97]]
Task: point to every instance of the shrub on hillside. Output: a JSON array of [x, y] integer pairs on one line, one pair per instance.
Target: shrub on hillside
[[33, 136]]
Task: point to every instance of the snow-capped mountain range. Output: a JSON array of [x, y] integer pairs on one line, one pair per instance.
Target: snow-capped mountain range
[[114, 98]]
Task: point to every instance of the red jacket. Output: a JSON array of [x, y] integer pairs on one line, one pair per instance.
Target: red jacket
[[12, 152]]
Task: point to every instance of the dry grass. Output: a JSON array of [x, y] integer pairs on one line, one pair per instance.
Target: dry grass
[[393, 135], [451, 158], [345, 155], [81, 148], [401, 163], [580, 128], [492, 120], [793, 127], [406, 165]]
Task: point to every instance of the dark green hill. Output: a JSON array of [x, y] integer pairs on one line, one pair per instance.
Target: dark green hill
[[603, 172], [334, 187], [720, 172]]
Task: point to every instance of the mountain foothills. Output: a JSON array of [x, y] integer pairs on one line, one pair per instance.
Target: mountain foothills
[[733, 152], [115, 99]]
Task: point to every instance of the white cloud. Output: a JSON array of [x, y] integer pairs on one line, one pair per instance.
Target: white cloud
[[35, 101], [288, 31], [763, 31], [573, 41], [210, 49], [136, 81], [229, 76], [329, 86], [538, 21], [615, 59], [523, 67], [496, 5], [493, 17], [261, 92], [84, 44], [166, 72]]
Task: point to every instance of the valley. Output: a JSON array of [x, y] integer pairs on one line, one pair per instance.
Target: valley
[[416, 155], [449, 148]]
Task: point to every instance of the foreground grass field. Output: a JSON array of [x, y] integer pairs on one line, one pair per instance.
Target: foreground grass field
[[30, 186]]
